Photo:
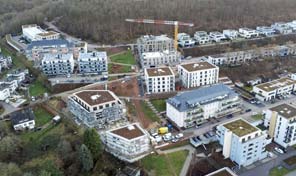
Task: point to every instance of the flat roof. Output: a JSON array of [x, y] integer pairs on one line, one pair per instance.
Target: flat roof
[[222, 172], [285, 110], [90, 55], [48, 33], [52, 57], [240, 127], [162, 71], [95, 97], [198, 66], [129, 132], [275, 84]]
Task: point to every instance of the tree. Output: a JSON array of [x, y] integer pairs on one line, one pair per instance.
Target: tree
[[86, 158], [92, 140], [10, 169], [8, 146]]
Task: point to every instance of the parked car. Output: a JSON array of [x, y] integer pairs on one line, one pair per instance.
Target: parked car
[[280, 151], [175, 140], [229, 116], [248, 110], [180, 135]]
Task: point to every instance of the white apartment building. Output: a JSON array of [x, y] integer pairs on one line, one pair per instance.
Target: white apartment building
[[32, 32], [129, 143], [274, 89], [266, 31], [216, 36], [248, 33], [198, 74], [160, 58], [281, 124], [57, 64], [230, 34], [184, 40], [159, 80], [242, 142], [193, 107], [201, 37], [7, 88], [292, 24], [282, 28], [93, 62], [96, 108], [23, 119], [150, 43]]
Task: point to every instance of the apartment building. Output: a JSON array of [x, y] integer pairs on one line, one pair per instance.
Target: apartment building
[[248, 33], [198, 74], [32, 32], [274, 89], [159, 80], [96, 108], [217, 36], [184, 40], [129, 143], [201, 37], [151, 43], [160, 58], [18, 75], [282, 28], [242, 142], [79, 47], [57, 64], [193, 107], [93, 62], [23, 119], [5, 62], [281, 124], [36, 49], [266, 31], [7, 88], [230, 34], [292, 24]]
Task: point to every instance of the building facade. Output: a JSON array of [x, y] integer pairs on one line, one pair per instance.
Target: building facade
[[159, 80], [201, 37], [160, 58], [248, 33], [93, 62], [23, 119], [129, 143], [57, 64], [242, 142], [32, 32], [191, 108], [274, 89], [150, 43], [198, 74], [281, 124], [96, 108]]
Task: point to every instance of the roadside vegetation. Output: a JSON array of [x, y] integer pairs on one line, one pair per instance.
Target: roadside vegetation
[[159, 104], [125, 57], [149, 113], [116, 68]]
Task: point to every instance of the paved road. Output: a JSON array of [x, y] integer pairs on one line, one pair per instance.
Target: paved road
[[291, 173]]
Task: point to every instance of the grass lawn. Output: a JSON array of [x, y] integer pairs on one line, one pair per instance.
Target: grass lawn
[[41, 116], [37, 89], [124, 58], [248, 88], [279, 171], [165, 165], [115, 68], [159, 104], [149, 113], [257, 117], [37, 135]]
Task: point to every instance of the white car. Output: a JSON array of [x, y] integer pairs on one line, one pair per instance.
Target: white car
[[180, 135], [279, 150]]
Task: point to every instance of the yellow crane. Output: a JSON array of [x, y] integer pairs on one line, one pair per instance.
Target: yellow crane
[[164, 22]]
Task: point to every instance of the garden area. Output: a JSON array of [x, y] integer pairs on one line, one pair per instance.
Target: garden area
[[42, 116], [159, 104], [37, 89], [124, 58], [148, 112], [257, 117], [166, 165], [116, 68]]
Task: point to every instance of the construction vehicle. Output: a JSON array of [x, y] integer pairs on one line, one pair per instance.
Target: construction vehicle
[[164, 22]]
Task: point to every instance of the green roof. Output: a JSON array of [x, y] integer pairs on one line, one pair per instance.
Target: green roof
[[240, 127]]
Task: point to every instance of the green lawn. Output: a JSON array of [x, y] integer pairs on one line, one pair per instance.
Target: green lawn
[[38, 135], [165, 165], [257, 117], [124, 58], [248, 88], [41, 116], [115, 68], [149, 113], [279, 171], [37, 89], [159, 104]]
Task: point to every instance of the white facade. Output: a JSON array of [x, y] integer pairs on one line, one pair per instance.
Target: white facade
[[129, 143], [7, 88], [150, 43], [92, 62], [274, 89], [57, 64], [198, 74], [184, 40], [190, 108], [230, 34], [216, 36], [159, 80], [292, 24], [281, 123], [160, 58], [265, 30], [28, 124], [201, 37], [282, 28], [242, 142], [248, 33], [35, 33]]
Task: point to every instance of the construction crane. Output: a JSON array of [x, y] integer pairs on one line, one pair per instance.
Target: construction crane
[[164, 22]]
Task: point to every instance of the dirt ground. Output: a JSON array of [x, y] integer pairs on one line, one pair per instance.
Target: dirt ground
[[66, 87]]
